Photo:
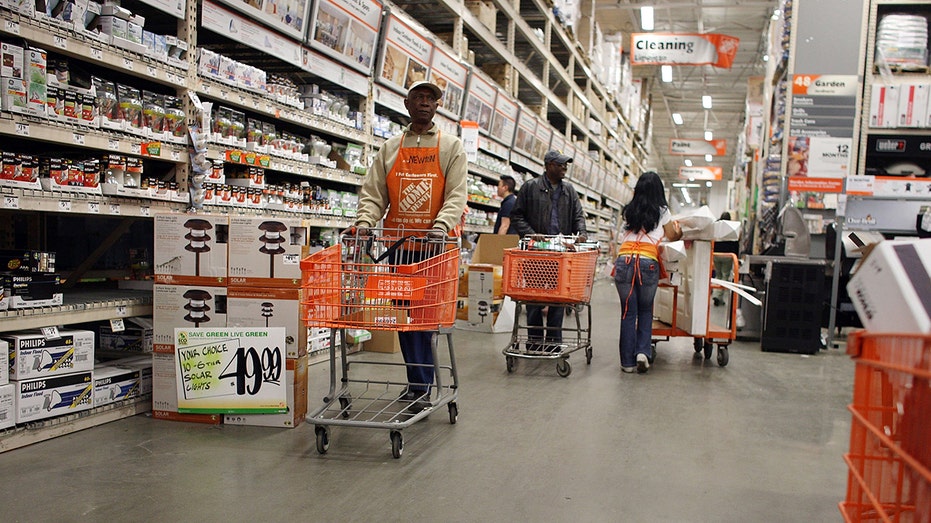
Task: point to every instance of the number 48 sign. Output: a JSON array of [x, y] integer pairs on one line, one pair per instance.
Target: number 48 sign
[[231, 371]]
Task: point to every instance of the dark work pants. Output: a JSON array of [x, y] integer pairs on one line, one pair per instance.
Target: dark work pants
[[553, 331]]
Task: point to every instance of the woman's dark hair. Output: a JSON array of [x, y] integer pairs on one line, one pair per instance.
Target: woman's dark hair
[[643, 211], [509, 182]]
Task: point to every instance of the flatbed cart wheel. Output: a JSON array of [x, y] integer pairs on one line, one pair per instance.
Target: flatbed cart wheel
[[344, 403], [453, 412], [397, 444], [697, 343], [709, 349], [510, 361], [588, 355], [323, 439], [563, 368], [722, 355]]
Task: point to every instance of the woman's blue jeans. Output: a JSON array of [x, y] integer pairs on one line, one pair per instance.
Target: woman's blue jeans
[[636, 279]]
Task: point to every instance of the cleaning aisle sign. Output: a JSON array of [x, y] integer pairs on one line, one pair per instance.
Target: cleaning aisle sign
[[230, 371]]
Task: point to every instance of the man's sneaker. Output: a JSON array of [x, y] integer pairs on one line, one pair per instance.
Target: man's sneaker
[[643, 363], [629, 370]]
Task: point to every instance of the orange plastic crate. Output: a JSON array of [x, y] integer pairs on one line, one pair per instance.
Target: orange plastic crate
[[890, 457], [550, 277], [341, 293]]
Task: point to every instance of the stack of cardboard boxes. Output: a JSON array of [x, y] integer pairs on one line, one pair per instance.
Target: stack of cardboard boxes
[[236, 271], [482, 305]]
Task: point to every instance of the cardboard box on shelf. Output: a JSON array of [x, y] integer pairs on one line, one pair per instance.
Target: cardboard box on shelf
[[7, 405], [4, 362], [191, 250], [265, 251], [297, 401], [693, 291], [32, 355], [185, 306], [165, 393], [51, 396], [891, 288], [382, 341], [269, 307], [135, 337], [486, 12], [112, 384]]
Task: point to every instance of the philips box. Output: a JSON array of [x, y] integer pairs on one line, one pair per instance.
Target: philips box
[[112, 384], [7, 405], [52, 396], [175, 306], [891, 289], [297, 401], [269, 307], [191, 249], [32, 355], [266, 251]]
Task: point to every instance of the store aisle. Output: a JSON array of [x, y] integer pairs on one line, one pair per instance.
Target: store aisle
[[759, 440]]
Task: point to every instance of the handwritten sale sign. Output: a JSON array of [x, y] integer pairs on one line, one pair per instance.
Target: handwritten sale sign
[[231, 371]]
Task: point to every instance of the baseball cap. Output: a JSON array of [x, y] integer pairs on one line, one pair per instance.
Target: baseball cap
[[556, 156], [427, 85]]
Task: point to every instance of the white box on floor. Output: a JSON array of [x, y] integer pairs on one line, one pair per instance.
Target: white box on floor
[[269, 307], [112, 384], [185, 306], [266, 251], [191, 249], [7, 405], [297, 401], [32, 355], [891, 289], [52, 396]]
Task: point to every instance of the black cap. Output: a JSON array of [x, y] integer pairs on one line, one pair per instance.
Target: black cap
[[557, 157]]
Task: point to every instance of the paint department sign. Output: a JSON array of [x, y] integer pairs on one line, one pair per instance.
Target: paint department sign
[[683, 49], [697, 147]]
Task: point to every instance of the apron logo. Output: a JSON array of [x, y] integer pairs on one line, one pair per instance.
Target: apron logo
[[416, 196]]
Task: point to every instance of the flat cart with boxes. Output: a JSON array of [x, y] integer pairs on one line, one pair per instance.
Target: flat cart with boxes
[[709, 333], [382, 279], [536, 276], [889, 460]]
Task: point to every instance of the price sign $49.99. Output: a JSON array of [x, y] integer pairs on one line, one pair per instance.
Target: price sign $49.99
[[230, 371]]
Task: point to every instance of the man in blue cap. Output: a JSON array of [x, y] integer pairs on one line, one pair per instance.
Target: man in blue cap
[[548, 205]]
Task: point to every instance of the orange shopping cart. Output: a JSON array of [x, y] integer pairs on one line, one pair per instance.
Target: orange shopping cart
[[391, 280], [889, 460], [550, 271]]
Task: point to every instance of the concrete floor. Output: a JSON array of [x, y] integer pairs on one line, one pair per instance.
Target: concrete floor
[[759, 440]]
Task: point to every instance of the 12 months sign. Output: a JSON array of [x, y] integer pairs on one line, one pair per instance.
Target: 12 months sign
[[231, 371]]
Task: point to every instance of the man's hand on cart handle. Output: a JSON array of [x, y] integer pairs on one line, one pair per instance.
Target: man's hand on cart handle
[[358, 231], [581, 238], [436, 233]]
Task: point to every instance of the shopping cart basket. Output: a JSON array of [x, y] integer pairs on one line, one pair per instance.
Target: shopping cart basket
[[385, 279], [889, 461], [550, 278]]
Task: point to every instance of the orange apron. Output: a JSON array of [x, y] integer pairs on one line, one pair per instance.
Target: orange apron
[[418, 184]]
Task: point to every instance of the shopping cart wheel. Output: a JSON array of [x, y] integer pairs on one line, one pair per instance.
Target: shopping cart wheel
[[709, 349], [453, 412], [397, 444], [510, 361], [696, 342], [588, 355], [344, 403], [722, 355], [563, 368], [323, 439]]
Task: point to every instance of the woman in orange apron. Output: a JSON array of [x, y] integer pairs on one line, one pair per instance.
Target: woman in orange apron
[[637, 269]]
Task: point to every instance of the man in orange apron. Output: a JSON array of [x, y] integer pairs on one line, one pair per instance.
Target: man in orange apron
[[419, 177]]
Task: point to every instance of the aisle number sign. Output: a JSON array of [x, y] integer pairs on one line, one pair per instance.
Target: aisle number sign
[[231, 371], [824, 84]]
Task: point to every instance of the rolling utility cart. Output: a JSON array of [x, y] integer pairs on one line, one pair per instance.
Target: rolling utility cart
[[889, 460], [386, 279], [713, 333], [535, 276]]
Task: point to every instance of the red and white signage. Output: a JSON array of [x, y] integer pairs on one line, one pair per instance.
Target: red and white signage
[[697, 147], [701, 173], [683, 49]]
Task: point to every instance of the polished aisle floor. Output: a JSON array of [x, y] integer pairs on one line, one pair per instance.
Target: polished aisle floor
[[759, 440]]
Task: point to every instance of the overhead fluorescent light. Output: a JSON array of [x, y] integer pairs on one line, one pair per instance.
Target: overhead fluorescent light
[[679, 184], [677, 118], [765, 57], [646, 18], [707, 157], [709, 136], [665, 72], [706, 101], [708, 183], [685, 194], [688, 162]]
